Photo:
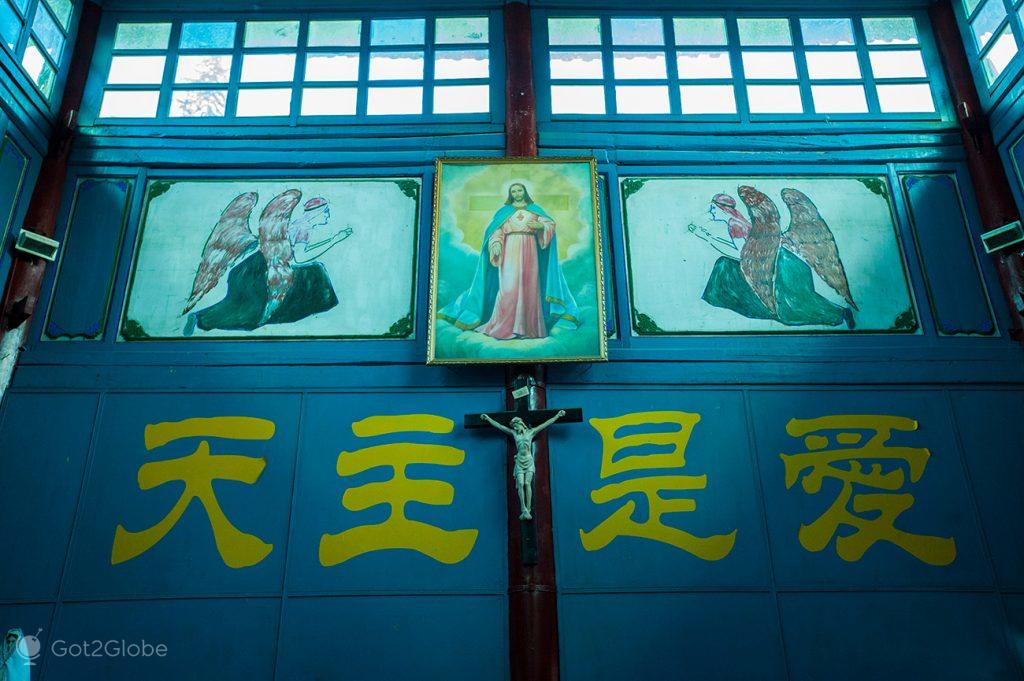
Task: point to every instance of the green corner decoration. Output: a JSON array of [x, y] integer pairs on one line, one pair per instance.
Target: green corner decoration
[[906, 321], [410, 188], [158, 188], [402, 328], [645, 325], [875, 185], [632, 185], [132, 330]]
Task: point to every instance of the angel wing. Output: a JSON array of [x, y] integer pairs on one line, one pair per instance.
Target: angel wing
[[277, 249], [228, 240], [761, 249], [815, 243]]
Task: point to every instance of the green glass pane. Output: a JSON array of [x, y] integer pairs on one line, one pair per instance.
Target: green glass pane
[[10, 25], [38, 68], [271, 33], [335, 33], [827, 31], [764, 32], [891, 31], [630, 31], [398, 31], [970, 6], [574, 31], [49, 34], [62, 9], [22, 6], [142, 36], [460, 30], [208, 35], [700, 31], [1002, 52]]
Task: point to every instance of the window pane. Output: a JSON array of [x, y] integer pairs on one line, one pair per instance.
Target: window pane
[[1002, 52], [268, 68], [334, 33], [704, 65], [62, 9], [574, 31], [196, 103], [827, 31], [970, 6], [576, 65], [906, 98], [203, 68], [49, 34], [39, 70], [271, 33], [582, 99], [396, 65], [825, 65], [129, 70], [460, 30], [764, 32], [700, 31], [264, 102], [142, 36], [627, 31], [208, 35], [453, 99], [639, 65], [642, 99], [329, 101], [394, 100], [22, 6], [342, 66], [708, 99], [774, 99], [897, 64], [769, 65], [839, 98], [129, 104], [10, 25], [891, 31], [397, 31], [461, 64]]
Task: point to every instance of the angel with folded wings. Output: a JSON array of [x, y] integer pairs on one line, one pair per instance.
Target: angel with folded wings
[[765, 273], [273, 277]]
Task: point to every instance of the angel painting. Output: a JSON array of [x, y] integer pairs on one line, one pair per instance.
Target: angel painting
[[273, 277], [765, 273]]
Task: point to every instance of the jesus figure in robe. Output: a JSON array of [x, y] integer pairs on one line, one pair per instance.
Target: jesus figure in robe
[[519, 290]]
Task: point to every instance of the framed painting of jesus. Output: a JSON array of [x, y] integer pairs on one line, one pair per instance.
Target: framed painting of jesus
[[516, 268]]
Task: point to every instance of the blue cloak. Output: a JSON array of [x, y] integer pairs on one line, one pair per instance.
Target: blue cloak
[[474, 306]]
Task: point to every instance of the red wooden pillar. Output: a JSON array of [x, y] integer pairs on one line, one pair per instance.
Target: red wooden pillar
[[26, 275], [533, 614], [988, 175]]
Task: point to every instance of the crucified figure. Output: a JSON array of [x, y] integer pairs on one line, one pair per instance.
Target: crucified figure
[[525, 467]]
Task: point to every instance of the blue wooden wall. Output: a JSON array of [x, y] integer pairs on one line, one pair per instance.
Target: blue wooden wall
[[83, 402]]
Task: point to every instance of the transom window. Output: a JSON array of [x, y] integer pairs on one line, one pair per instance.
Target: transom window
[[994, 26], [737, 67], [35, 32], [299, 69]]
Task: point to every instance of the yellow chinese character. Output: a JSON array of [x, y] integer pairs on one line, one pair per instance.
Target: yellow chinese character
[[882, 509], [621, 523], [198, 471], [398, 531]]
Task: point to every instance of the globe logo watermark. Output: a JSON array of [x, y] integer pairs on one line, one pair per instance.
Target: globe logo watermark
[[30, 647]]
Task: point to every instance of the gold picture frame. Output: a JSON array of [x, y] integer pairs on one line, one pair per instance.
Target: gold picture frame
[[503, 288]]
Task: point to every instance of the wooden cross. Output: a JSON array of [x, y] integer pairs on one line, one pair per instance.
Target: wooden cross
[[525, 408]]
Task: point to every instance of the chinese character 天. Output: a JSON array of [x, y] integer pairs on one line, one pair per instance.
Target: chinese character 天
[[857, 464]]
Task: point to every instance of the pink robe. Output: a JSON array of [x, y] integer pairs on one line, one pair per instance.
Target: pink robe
[[518, 308]]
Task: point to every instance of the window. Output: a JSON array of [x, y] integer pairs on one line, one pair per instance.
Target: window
[[36, 33], [994, 26], [332, 68], [737, 67]]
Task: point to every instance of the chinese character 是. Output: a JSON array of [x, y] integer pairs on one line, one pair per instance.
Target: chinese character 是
[[397, 531], [854, 462], [621, 523], [198, 471]]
